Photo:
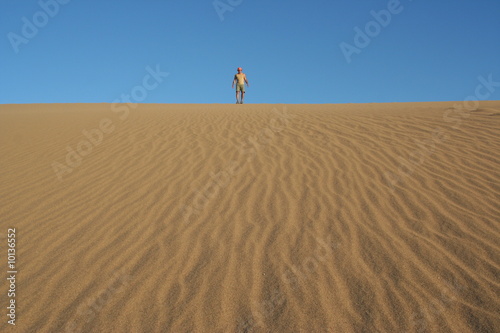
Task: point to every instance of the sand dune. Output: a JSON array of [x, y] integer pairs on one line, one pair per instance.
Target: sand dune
[[252, 218]]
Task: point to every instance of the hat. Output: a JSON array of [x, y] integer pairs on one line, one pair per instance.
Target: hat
[[240, 69]]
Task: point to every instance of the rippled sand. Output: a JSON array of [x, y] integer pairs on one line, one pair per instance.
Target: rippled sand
[[252, 218]]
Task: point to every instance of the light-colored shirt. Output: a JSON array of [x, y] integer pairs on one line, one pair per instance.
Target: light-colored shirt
[[240, 77]]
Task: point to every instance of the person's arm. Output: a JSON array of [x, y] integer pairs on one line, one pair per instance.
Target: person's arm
[[234, 80], [247, 81]]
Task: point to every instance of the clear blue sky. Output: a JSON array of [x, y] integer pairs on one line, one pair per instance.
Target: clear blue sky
[[95, 51]]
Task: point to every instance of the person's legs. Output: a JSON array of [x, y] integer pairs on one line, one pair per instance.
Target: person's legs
[[238, 90], [242, 89]]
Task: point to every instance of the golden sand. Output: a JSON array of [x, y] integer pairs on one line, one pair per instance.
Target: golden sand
[[252, 218]]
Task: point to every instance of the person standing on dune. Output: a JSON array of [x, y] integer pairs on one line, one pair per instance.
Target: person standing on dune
[[240, 79]]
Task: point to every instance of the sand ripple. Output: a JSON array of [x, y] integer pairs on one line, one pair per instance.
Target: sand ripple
[[255, 218]]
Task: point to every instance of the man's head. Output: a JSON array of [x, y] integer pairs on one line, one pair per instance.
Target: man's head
[[239, 69]]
